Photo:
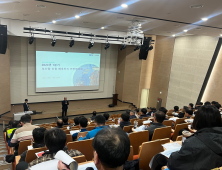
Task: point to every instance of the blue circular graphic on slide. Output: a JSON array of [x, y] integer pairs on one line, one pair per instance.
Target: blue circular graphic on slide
[[86, 75]]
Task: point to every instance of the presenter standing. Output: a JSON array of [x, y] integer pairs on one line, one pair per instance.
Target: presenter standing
[[65, 104], [25, 105]]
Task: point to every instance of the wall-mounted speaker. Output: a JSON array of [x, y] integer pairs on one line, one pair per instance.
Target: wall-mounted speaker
[[144, 50], [3, 39]]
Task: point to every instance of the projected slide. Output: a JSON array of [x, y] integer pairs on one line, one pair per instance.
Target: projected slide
[[61, 71]]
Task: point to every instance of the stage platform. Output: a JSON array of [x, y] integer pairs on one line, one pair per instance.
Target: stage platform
[[80, 107]]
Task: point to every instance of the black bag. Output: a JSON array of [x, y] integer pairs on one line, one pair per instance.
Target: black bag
[[10, 158], [131, 165]]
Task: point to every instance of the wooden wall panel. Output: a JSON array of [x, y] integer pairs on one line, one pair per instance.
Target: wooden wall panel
[[161, 70], [5, 99]]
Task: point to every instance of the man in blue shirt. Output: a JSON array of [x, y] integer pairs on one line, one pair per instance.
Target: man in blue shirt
[[100, 124], [82, 125]]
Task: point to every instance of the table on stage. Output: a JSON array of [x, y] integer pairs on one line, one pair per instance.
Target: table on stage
[[17, 116]]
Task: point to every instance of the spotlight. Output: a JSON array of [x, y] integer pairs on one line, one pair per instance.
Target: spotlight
[[107, 45], [31, 39], [123, 47], [91, 44], [71, 43], [137, 47], [77, 16], [185, 30], [53, 42], [124, 5], [204, 19], [53, 21]]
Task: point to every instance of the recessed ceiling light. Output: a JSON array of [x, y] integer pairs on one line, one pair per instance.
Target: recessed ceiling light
[[221, 35], [77, 16], [102, 28], [173, 35], [185, 30], [41, 6], [196, 6], [57, 13], [204, 19], [124, 5], [53, 21], [141, 32]]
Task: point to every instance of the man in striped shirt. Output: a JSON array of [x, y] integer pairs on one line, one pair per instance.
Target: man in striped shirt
[[23, 133]]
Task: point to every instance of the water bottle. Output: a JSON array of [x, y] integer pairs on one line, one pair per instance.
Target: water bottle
[[135, 124], [119, 121], [152, 114]]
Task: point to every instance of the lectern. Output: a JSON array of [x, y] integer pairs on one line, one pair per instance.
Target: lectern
[[115, 97]]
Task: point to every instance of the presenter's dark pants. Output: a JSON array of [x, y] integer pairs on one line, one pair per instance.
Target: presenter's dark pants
[[64, 112]]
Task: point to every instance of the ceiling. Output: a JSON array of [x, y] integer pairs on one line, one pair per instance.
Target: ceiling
[[158, 17]]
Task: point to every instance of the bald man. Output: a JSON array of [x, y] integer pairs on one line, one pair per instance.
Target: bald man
[[65, 104], [59, 123]]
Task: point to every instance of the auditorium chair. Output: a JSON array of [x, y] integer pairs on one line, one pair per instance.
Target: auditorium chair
[[179, 138], [83, 134], [148, 150], [137, 138], [178, 128], [130, 157], [162, 133], [23, 146], [89, 128], [179, 121], [75, 128], [119, 115], [152, 119], [68, 138], [92, 124], [132, 121], [80, 159], [168, 123], [169, 114], [110, 123], [67, 131], [84, 146], [30, 156], [116, 121], [140, 122], [128, 129], [145, 118]]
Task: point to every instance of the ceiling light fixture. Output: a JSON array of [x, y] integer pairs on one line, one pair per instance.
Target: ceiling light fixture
[[185, 30], [71, 43], [196, 6], [221, 35], [173, 35], [204, 19], [53, 21], [77, 16], [53, 42], [102, 28], [124, 5]]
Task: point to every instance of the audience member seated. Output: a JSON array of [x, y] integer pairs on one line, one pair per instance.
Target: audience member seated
[[94, 115], [11, 136], [164, 110], [83, 122], [59, 123], [76, 121], [38, 137], [158, 123], [143, 113], [8, 127], [182, 113], [23, 133], [151, 111], [111, 150], [128, 112], [124, 120], [132, 115], [137, 111], [198, 104], [207, 103], [218, 106], [213, 103], [65, 120], [13, 127], [106, 115], [100, 124], [188, 113], [55, 140], [190, 106], [202, 150], [176, 109]]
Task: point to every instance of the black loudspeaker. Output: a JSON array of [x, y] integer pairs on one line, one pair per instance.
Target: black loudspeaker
[[111, 105], [3, 39], [144, 48]]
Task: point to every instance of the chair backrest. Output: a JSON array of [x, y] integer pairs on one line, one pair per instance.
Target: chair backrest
[[84, 146], [168, 122], [80, 159], [75, 128], [128, 129], [132, 121], [148, 150], [23, 146], [137, 138], [130, 158], [110, 123], [140, 122], [179, 138], [92, 124], [116, 120], [89, 128], [83, 134], [145, 118], [169, 114], [178, 128], [30, 156], [162, 133], [68, 138], [67, 131], [179, 121]]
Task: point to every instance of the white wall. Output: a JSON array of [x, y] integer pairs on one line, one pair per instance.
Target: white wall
[[191, 58], [22, 65]]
